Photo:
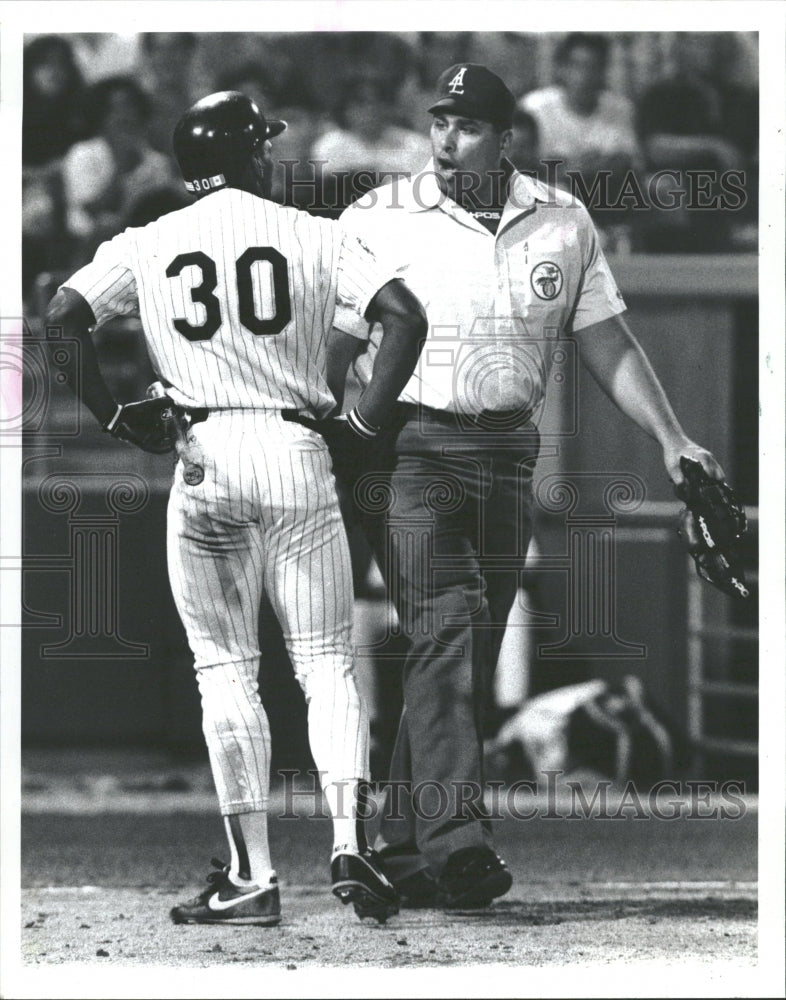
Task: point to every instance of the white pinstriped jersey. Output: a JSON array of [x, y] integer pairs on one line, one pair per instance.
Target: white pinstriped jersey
[[236, 296]]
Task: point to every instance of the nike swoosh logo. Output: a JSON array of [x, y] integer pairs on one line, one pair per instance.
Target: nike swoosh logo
[[214, 903]]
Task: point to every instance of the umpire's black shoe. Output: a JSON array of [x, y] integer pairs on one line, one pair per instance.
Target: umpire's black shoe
[[224, 903], [418, 891], [357, 878], [471, 878]]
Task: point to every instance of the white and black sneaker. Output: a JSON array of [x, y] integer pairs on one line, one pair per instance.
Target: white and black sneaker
[[225, 903], [357, 878]]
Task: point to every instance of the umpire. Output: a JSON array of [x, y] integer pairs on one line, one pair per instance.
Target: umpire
[[504, 266]]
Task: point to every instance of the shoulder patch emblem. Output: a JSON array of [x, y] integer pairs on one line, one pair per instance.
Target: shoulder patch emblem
[[546, 280]]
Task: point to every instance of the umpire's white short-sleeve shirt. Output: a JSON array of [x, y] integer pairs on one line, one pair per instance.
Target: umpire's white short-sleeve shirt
[[495, 303]]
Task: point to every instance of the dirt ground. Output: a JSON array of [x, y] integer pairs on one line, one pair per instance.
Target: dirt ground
[[626, 907], [541, 925]]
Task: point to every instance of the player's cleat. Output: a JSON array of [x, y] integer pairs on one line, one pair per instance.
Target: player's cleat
[[224, 903], [472, 877], [358, 879]]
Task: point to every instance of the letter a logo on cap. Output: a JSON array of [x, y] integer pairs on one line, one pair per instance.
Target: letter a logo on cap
[[456, 85]]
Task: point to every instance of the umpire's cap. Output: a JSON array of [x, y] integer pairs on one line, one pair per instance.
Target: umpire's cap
[[474, 91], [216, 137]]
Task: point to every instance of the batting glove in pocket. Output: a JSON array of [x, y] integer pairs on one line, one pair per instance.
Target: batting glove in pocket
[[146, 424]]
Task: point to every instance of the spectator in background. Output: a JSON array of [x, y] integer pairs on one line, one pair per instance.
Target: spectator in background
[[251, 79], [105, 176], [695, 120], [103, 54], [429, 50], [53, 92], [367, 139], [511, 54], [167, 77], [52, 120], [583, 124], [45, 243], [525, 144], [578, 119], [254, 79]]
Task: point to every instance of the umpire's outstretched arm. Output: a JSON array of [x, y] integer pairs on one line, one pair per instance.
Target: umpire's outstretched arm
[[404, 329], [619, 365]]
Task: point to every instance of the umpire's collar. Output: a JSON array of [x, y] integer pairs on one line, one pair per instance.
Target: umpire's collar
[[425, 194]]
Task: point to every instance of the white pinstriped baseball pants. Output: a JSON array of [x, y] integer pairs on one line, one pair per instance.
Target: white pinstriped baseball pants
[[266, 515]]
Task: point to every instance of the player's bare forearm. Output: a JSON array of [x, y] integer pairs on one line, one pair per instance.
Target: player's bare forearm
[[341, 350], [621, 368], [404, 327], [69, 312]]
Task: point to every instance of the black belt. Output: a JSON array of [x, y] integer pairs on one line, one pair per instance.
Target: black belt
[[486, 420], [196, 414]]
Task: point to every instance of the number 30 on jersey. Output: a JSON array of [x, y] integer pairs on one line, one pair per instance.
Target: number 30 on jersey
[[204, 293]]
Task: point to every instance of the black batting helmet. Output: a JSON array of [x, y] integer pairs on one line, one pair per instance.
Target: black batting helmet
[[216, 138]]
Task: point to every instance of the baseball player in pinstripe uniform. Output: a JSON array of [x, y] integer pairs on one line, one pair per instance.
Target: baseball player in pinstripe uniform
[[236, 296]]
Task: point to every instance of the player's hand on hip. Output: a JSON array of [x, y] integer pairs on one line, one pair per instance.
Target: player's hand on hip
[[674, 450], [351, 449], [146, 424]]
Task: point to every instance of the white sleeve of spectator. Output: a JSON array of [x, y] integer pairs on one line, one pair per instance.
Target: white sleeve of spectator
[[86, 172], [107, 283], [598, 297], [526, 103], [627, 139], [621, 113], [360, 277], [532, 103]]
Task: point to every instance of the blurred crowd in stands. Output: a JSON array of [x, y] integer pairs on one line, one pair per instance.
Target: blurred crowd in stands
[[656, 132]]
